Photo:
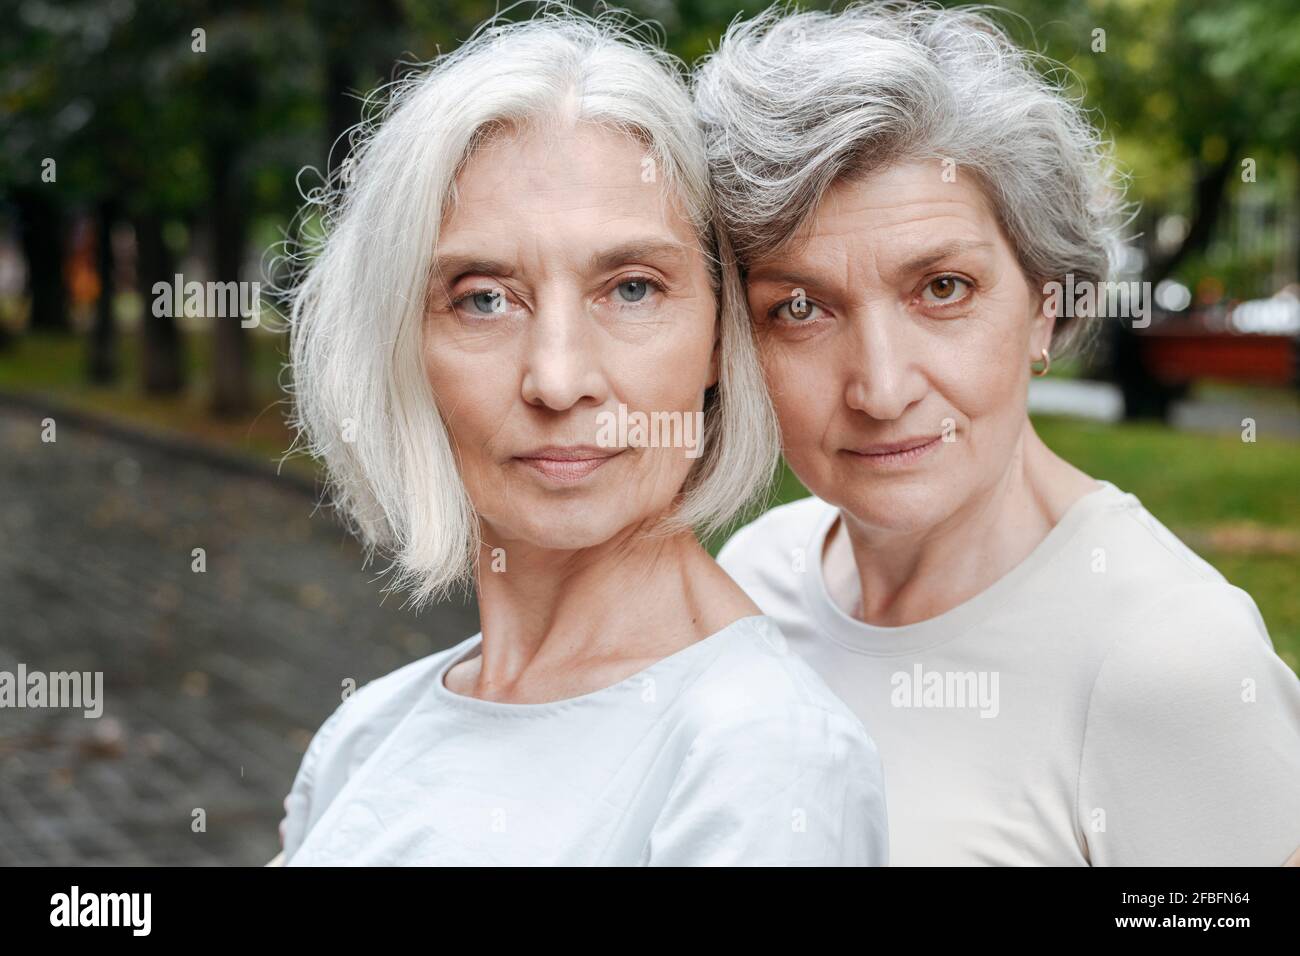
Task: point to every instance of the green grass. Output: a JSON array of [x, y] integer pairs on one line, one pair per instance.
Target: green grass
[[1185, 479]]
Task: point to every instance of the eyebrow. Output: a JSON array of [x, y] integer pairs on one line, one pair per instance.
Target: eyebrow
[[939, 253], [452, 266], [774, 273], [638, 251]]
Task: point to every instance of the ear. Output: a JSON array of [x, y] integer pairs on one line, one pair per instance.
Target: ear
[[1047, 298]]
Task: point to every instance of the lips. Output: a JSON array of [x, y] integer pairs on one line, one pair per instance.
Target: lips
[[896, 453], [565, 463]]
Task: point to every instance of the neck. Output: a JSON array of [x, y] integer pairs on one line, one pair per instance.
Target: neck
[[552, 614], [912, 575]]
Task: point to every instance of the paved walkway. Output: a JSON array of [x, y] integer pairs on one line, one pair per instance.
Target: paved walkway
[[213, 683]]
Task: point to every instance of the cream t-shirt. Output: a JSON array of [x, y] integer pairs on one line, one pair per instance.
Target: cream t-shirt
[[730, 751], [1110, 701]]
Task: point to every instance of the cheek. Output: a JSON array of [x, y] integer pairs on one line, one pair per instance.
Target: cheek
[[987, 391], [980, 390], [473, 398], [807, 395], [663, 373], [983, 375]]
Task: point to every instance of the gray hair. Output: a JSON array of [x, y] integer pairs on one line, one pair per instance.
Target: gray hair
[[794, 102], [361, 400]]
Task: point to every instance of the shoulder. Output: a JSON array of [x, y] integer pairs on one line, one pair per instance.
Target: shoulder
[[352, 732], [377, 706], [773, 769], [1176, 625], [1140, 590], [394, 692], [1191, 645], [772, 538], [1191, 740], [757, 688], [1131, 554]]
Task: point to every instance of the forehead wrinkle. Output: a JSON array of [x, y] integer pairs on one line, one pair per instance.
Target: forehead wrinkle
[[901, 247], [538, 204], [838, 222], [541, 162]]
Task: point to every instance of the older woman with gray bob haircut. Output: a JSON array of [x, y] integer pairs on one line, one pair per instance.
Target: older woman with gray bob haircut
[[1051, 675], [519, 280]]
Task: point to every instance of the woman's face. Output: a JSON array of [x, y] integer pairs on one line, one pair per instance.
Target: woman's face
[[901, 386], [566, 283]]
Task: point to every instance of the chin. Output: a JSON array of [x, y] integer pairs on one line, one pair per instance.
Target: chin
[[567, 527], [901, 509]]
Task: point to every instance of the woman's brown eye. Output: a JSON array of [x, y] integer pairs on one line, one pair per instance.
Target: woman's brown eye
[[945, 289], [795, 311]]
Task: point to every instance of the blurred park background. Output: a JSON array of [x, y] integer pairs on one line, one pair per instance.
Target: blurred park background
[[144, 140]]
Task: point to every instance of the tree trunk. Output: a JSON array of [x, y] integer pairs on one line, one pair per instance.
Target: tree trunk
[[340, 107], [41, 226], [1211, 187], [162, 364], [101, 365], [231, 397]]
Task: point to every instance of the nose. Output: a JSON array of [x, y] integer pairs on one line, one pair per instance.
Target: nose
[[562, 360], [884, 378]]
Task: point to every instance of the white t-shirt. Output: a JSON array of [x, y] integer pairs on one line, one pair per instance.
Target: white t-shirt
[[730, 751], [1111, 700]]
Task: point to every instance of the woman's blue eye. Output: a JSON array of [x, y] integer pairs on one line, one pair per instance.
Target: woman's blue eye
[[633, 290], [488, 303]]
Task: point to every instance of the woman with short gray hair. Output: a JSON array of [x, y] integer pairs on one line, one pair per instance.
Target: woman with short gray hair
[[526, 366], [1052, 676]]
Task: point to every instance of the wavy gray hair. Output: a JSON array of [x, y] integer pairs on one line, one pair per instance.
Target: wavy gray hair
[[794, 102], [361, 401]]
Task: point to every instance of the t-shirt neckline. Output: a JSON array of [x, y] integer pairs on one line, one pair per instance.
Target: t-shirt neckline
[[633, 682], [882, 641]]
